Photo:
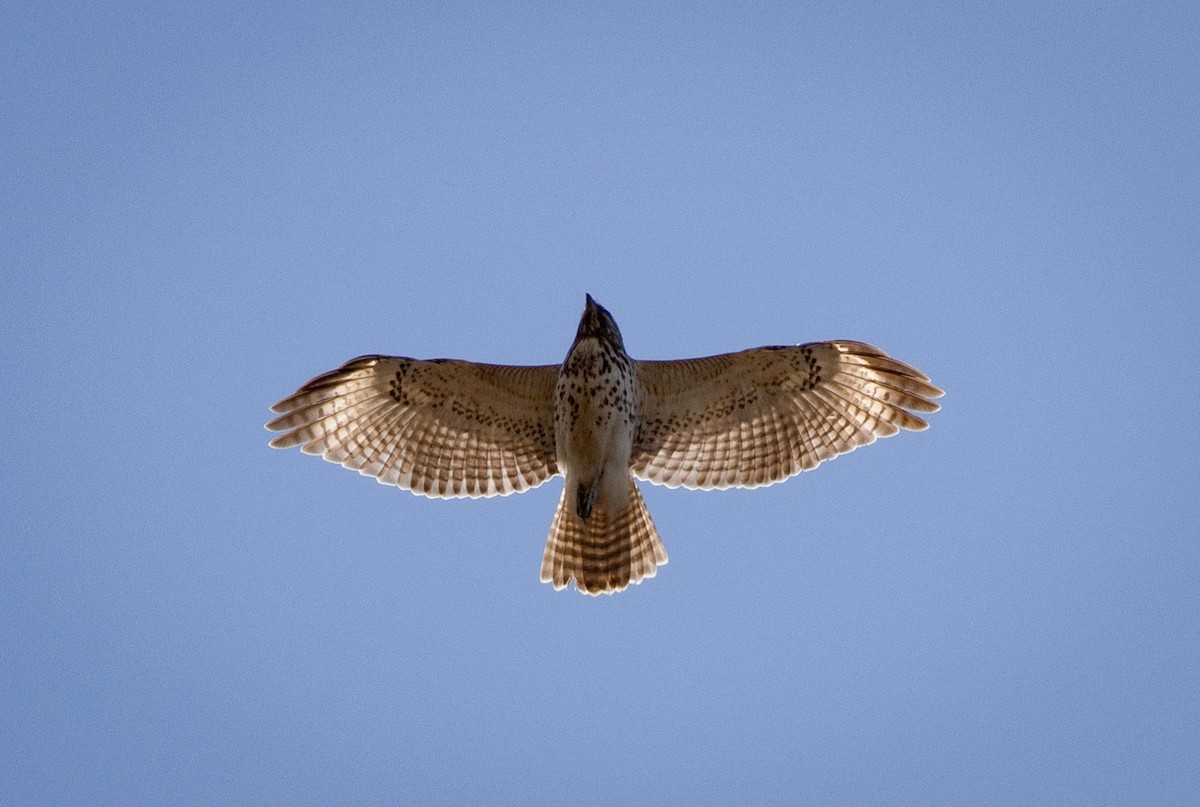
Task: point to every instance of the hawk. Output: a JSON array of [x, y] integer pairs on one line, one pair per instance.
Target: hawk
[[445, 428]]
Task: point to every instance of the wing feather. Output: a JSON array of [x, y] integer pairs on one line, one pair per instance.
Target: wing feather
[[441, 428], [759, 416]]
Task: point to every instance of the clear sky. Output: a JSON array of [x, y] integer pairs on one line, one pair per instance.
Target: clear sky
[[202, 205]]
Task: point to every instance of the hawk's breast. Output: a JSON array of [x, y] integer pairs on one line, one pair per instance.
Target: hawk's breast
[[595, 410]]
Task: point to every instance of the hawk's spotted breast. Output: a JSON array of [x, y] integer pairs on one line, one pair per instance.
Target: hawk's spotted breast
[[448, 428]]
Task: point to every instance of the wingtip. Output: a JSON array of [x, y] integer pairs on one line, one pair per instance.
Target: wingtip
[[285, 440]]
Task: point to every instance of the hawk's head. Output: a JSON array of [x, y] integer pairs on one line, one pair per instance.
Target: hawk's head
[[596, 321]]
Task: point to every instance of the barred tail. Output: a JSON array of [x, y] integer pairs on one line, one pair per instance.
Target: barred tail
[[605, 553]]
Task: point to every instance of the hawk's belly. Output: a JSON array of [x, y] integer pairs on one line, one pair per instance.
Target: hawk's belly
[[595, 416]]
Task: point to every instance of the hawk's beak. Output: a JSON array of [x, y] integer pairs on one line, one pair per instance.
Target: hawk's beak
[[589, 323]]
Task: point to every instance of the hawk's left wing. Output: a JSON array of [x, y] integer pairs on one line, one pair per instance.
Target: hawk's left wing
[[759, 416], [442, 428]]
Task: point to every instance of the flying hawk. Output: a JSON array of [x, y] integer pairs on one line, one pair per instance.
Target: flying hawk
[[446, 428]]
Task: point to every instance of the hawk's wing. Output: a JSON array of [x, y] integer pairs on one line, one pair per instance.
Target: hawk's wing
[[759, 416], [441, 428]]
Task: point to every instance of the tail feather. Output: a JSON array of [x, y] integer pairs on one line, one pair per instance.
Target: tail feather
[[605, 553]]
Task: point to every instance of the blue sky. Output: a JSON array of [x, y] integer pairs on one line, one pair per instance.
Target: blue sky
[[202, 206]]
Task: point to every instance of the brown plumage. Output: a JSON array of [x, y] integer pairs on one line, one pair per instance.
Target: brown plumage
[[445, 428]]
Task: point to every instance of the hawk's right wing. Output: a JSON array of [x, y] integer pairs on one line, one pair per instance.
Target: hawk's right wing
[[442, 428], [759, 416]]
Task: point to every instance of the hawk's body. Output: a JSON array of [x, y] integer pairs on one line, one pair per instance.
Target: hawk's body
[[446, 428], [602, 536]]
